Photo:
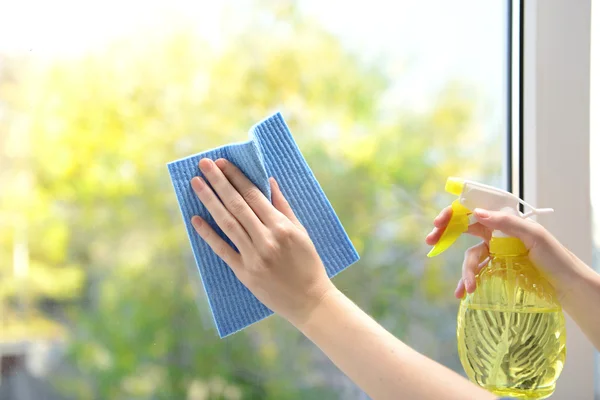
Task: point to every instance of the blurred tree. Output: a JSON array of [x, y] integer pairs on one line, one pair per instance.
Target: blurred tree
[[102, 128]]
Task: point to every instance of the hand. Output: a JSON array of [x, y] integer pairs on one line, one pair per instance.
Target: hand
[[557, 263], [277, 261]]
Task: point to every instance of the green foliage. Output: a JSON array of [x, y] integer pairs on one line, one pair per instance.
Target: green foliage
[[102, 127]]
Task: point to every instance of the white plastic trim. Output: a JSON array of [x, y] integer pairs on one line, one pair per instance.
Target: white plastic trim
[[556, 108]]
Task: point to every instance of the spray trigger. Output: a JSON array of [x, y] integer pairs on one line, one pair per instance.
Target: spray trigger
[[459, 224]]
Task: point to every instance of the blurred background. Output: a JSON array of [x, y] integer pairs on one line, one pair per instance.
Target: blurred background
[[99, 294]]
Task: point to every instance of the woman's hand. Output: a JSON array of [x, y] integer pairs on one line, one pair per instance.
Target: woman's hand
[[577, 285], [557, 263], [277, 260]]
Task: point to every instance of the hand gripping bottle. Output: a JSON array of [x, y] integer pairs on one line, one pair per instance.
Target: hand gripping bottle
[[511, 330]]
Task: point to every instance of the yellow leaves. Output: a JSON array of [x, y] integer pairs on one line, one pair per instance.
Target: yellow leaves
[[99, 355], [40, 278], [145, 381], [359, 243], [135, 252], [52, 244], [309, 75], [429, 190], [111, 294], [102, 128], [432, 282], [14, 327], [362, 149], [60, 283], [213, 387], [269, 352]]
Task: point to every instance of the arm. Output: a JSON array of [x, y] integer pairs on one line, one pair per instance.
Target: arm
[[375, 360], [577, 284], [582, 297], [279, 264]]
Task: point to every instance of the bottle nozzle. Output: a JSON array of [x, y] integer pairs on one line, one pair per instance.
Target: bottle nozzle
[[537, 211], [473, 195], [455, 186]]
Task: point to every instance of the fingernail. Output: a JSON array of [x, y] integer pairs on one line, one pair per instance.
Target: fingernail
[[221, 162], [482, 213], [196, 222], [205, 164], [198, 183]]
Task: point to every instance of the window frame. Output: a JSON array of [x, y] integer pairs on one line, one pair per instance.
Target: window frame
[[550, 139]]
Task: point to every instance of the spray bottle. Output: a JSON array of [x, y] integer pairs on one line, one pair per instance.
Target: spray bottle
[[511, 330]]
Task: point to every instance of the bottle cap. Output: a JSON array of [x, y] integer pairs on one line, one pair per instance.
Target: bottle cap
[[507, 246]]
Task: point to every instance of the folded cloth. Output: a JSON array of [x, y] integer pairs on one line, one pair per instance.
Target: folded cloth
[[271, 151]]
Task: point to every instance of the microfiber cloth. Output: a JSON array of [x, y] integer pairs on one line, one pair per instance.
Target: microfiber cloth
[[271, 151]]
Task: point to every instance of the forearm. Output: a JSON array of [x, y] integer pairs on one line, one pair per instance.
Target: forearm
[[582, 299], [379, 363]]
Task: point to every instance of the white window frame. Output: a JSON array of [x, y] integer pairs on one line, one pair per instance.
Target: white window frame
[[551, 135]]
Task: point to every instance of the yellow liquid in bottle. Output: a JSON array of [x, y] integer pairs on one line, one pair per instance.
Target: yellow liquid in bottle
[[511, 330], [515, 354]]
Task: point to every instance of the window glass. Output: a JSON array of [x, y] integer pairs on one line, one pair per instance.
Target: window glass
[[99, 295]]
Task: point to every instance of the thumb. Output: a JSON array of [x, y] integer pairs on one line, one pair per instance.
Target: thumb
[[527, 231], [280, 202]]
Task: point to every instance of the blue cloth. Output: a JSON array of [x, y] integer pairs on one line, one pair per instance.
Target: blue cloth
[[271, 151]]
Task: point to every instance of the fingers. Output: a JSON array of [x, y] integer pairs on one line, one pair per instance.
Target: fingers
[[528, 231], [253, 196], [459, 292], [218, 245], [227, 222], [440, 223], [474, 260], [478, 230], [477, 257], [434, 236], [281, 204], [232, 200], [443, 218]]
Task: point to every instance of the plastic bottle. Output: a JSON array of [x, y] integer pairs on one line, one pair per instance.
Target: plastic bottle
[[511, 330]]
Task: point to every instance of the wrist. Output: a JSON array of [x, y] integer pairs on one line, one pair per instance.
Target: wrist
[[322, 305], [581, 280]]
